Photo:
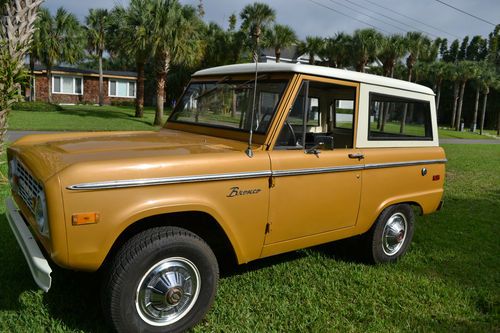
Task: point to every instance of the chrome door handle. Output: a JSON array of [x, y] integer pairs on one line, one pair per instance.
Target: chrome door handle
[[359, 156]]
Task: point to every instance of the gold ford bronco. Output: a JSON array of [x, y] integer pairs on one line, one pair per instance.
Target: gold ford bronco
[[250, 164]]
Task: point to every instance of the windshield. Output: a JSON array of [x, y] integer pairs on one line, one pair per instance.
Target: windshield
[[228, 104]]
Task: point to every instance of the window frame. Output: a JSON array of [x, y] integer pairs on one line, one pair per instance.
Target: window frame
[[128, 87], [400, 99], [73, 77]]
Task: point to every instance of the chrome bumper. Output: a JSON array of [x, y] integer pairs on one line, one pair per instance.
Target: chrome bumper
[[39, 266]]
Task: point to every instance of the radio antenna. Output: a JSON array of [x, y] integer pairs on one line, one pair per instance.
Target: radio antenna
[[249, 150]]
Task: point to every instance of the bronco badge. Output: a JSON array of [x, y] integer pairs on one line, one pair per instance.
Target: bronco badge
[[235, 191]]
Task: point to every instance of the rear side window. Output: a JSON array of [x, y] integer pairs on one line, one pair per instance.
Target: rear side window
[[396, 118]]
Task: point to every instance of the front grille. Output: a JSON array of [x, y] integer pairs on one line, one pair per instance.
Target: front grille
[[27, 187]]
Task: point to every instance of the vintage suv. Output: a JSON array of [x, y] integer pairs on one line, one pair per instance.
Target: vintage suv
[[333, 154]]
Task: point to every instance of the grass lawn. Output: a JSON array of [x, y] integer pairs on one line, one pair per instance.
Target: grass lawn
[[448, 282], [83, 118]]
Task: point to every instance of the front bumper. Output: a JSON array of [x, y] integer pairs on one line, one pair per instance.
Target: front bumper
[[37, 263]]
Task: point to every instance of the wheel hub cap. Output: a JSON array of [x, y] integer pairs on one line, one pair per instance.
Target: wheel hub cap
[[168, 291], [394, 234]]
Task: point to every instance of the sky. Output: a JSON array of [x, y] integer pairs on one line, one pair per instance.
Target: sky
[[325, 18]]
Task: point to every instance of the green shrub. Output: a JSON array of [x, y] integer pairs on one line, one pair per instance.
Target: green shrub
[[36, 106], [123, 103]]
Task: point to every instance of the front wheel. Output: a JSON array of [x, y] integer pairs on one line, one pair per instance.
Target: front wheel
[[390, 236], [162, 280]]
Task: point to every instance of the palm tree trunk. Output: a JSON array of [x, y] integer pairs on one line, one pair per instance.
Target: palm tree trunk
[[455, 100], [277, 52], [32, 78], [438, 98], [476, 108], [139, 98], [49, 84], [233, 108], [161, 80], [483, 112], [101, 82], [460, 104]]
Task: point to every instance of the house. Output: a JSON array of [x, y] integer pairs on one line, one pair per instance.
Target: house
[[73, 86]]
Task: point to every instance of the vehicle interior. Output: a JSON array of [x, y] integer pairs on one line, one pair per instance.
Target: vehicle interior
[[322, 117]]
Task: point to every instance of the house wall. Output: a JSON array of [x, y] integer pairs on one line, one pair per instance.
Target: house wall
[[90, 92]]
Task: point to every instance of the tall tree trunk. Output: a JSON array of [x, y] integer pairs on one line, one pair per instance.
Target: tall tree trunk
[[101, 82], [455, 100], [233, 106], [32, 78], [405, 109], [438, 98], [476, 108], [460, 104], [161, 80], [139, 98], [277, 52], [49, 84], [311, 58], [483, 112]]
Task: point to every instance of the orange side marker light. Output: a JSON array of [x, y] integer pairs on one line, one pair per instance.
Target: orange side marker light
[[85, 218]]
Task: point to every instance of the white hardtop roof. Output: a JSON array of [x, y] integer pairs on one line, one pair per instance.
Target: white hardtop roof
[[336, 73]]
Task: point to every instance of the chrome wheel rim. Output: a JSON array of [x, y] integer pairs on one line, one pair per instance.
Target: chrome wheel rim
[[394, 234], [168, 291]]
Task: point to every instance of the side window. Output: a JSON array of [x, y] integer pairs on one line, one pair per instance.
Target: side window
[[344, 113], [396, 118], [322, 116]]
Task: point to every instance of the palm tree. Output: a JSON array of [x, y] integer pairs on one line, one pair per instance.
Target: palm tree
[[437, 71], [337, 50], [176, 39], [62, 40], [312, 46], [393, 48], [280, 37], [466, 71], [256, 17], [365, 47], [95, 28], [451, 74], [487, 81], [129, 33], [417, 45]]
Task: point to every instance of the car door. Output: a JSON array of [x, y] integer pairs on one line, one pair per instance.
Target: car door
[[316, 184]]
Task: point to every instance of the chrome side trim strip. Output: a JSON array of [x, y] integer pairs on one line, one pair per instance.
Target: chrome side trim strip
[[167, 180], [400, 164], [297, 172], [241, 175]]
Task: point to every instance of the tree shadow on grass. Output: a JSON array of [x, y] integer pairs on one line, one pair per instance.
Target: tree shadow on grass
[[106, 115]]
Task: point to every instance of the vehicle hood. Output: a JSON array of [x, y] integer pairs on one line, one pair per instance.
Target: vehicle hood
[[47, 154]]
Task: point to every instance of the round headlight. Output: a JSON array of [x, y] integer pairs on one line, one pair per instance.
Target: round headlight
[[41, 214]]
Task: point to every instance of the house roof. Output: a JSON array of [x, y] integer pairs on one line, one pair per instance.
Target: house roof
[[87, 72], [316, 70]]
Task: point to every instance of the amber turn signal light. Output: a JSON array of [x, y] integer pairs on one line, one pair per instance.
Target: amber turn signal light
[[85, 218]]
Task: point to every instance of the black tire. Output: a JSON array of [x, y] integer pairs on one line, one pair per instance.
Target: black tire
[[382, 246], [164, 254]]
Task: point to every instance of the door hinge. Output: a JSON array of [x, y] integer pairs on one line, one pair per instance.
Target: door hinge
[[272, 182], [268, 227]]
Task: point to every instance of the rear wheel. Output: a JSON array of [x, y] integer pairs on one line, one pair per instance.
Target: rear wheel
[[162, 280], [392, 233]]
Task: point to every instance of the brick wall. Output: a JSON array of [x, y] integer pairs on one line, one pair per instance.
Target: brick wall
[[90, 92]]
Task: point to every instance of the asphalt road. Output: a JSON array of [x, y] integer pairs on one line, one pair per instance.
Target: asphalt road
[[14, 135]]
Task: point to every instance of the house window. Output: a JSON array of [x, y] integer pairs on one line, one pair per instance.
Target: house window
[[122, 88], [67, 85]]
